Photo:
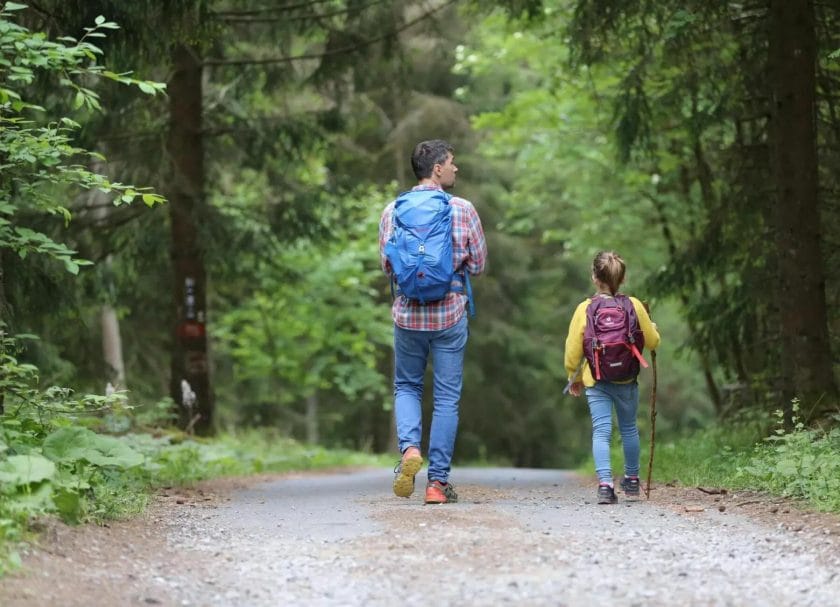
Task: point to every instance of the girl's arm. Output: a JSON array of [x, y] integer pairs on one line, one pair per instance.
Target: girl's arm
[[646, 325], [574, 340]]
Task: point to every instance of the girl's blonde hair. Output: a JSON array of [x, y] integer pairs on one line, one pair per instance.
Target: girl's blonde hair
[[608, 268]]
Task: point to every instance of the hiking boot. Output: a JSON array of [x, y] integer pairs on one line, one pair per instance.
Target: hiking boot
[[630, 486], [440, 493], [606, 495], [405, 471]]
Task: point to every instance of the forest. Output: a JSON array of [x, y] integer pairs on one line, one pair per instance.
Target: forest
[[190, 192]]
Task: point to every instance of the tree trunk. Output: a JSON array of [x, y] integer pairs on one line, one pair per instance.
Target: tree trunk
[[4, 323], [112, 351], [312, 419], [5, 315], [806, 353], [190, 381], [112, 347]]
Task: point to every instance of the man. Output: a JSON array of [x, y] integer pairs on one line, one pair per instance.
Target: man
[[437, 327]]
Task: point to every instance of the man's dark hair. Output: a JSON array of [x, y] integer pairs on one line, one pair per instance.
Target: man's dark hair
[[427, 154]]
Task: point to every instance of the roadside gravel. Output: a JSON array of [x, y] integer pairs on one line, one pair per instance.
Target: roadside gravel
[[518, 537]]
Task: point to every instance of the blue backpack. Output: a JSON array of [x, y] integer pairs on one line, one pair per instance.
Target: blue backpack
[[420, 247]]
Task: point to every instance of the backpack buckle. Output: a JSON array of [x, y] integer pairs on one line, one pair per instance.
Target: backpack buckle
[[422, 249]]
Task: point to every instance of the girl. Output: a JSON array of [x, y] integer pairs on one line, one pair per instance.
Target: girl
[[603, 391]]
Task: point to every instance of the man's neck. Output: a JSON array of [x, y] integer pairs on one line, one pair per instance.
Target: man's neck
[[429, 183]]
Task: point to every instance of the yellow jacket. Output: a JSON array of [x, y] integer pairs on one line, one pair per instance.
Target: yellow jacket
[[574, 341]]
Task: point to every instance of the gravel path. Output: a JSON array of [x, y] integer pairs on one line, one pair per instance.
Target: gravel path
[[518, 537]]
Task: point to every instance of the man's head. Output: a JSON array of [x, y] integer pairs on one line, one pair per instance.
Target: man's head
[[432, 162]]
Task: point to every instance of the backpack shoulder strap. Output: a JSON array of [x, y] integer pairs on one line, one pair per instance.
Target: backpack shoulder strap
[[627, 304], [632, 325], [591, 308]]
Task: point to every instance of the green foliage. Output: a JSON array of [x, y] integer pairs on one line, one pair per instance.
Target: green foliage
[[20, 470], [74, 444], [40, 165], [314, 321], [546, 128], [802, 463], [48, 460], [237, 453], [706, 457], [640, 129], [68, 482], [52, 463]]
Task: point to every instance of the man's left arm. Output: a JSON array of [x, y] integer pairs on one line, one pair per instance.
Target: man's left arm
[[476, 244]]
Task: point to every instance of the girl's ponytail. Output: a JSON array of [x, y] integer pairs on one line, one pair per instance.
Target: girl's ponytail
[[608, 268]]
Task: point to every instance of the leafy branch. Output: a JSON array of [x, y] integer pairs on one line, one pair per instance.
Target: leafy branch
[[39, 163]]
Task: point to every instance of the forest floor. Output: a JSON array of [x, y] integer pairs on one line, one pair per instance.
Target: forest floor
[[531, 537]]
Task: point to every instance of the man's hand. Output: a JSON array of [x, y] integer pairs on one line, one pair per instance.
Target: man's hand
[[576, 388]]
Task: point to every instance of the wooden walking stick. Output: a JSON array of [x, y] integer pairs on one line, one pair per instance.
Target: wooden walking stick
[[652, 423], [652, 415]]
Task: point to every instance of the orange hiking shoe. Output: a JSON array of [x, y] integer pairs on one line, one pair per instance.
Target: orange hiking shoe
[[440, 493], [405, 472]]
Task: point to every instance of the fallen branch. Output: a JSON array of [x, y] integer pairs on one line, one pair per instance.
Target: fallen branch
[[748, 502]]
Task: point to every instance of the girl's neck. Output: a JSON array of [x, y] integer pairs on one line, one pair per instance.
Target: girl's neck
[[603, 289]]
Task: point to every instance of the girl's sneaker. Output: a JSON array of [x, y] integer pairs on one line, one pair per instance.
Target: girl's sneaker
[[606, 495], [630, 486]]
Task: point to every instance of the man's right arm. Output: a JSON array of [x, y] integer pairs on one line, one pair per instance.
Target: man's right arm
[[384, 234]]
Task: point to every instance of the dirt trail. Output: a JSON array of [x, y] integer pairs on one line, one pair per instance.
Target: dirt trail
[[519, 537]]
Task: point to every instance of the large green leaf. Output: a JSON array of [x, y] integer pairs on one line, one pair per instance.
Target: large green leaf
[[68, 504], [39, 499], [25, 469], [74, 444]]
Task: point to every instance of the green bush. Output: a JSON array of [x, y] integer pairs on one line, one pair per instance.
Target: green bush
[[803, 463]]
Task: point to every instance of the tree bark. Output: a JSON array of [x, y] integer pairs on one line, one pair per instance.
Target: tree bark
[[112, 350], [806, 353], [4, 322], [312, 436], [190, 382], [112, 347]]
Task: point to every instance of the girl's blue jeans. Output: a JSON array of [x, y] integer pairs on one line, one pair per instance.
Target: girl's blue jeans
[[602, 397], [411, 353]]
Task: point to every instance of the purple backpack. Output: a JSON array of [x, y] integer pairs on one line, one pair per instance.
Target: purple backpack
[[612, 339]]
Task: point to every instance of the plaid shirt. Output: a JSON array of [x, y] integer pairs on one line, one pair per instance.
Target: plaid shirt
[[469, 251]]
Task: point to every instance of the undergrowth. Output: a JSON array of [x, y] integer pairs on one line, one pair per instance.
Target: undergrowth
[[753, 452], [93, 458], [803, 463]]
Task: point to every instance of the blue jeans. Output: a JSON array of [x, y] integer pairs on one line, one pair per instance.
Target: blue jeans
[[411, 352], [601, 398]]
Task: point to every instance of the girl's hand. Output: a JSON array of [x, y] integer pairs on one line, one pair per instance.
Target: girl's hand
[[576, 388]]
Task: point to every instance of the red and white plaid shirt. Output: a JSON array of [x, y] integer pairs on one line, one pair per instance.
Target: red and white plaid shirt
[[469, 251]]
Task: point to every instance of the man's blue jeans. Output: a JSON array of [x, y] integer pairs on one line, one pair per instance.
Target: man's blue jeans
[[411, 352], [601, 398]]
